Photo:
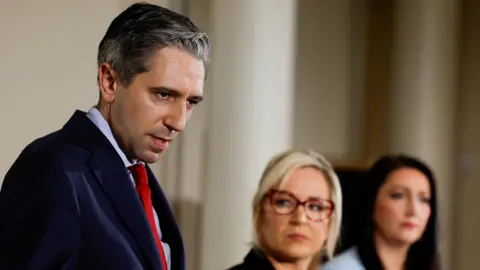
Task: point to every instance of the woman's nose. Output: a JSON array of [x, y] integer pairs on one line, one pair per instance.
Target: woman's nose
[[299, 216]]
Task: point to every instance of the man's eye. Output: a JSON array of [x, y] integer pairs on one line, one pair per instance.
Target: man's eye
[[193, 102], [163, 95]]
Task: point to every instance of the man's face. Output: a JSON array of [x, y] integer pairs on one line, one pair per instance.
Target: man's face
[[147, 114]]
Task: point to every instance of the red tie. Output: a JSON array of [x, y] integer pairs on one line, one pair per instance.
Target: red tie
[[141, 181]]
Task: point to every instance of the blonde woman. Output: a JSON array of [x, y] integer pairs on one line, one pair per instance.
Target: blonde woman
[[296, 213]]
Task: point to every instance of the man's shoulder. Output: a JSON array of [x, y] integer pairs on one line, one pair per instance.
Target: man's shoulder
[[66, 142], [55, 151], [38, 170], [58, 145], [347, 260]]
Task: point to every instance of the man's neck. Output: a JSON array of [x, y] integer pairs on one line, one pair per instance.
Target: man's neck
[[104, 111], [392, 255]]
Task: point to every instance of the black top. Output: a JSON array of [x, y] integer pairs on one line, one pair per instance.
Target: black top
[[254, 260]]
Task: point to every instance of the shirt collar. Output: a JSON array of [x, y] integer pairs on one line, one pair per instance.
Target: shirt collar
[[97, 118]]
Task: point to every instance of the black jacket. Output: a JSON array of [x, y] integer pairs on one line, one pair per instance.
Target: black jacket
[[254, 260]]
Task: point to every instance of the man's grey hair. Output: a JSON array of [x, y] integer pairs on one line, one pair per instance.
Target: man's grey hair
[[135, 35]]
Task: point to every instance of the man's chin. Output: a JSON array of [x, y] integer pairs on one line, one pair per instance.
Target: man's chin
[[151, 157]]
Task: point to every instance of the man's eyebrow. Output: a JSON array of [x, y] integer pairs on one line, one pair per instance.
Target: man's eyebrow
[[196, 98], [176, 93], [168, 90]]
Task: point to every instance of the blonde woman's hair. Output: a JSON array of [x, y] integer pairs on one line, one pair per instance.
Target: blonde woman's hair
[[277, 173]]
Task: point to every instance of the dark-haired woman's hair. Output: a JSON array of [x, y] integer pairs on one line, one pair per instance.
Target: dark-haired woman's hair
[[423, 254]]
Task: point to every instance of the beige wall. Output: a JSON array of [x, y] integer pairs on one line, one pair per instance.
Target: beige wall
[[48, 69], [467, 183], [322, 90], [378, 73]]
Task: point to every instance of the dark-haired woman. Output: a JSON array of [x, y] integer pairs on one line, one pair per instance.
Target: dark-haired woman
[[399, 230]]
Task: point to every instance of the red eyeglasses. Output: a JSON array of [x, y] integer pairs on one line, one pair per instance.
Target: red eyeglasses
[[285, 203]]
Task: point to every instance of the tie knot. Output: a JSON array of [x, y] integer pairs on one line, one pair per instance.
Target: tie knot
[[139, 173]]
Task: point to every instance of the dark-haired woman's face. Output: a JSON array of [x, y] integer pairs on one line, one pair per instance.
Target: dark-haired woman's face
[[402, 208]]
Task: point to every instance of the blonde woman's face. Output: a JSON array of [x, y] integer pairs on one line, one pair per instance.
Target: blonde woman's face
[[293, 224]]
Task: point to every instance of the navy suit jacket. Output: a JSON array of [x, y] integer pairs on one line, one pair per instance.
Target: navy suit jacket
[[68, 203]]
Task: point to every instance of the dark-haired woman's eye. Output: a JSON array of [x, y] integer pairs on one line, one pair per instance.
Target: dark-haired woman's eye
[[396, 195], [425, 200]]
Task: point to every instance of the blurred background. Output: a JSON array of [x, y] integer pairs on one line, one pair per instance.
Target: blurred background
[[352, 79]]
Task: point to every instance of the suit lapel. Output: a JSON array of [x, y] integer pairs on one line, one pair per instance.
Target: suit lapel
[[119, 189], [111, 174], [167, 223]]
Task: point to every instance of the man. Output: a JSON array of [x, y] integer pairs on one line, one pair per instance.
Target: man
[[82, 197]]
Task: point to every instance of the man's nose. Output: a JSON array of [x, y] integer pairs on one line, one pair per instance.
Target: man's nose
[[177, 117]]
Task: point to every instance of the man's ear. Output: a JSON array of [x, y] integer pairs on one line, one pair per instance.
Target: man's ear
[[107, 80]]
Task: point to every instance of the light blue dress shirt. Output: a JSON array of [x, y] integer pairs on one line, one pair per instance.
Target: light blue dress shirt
[[348, 260], [94, 115]]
